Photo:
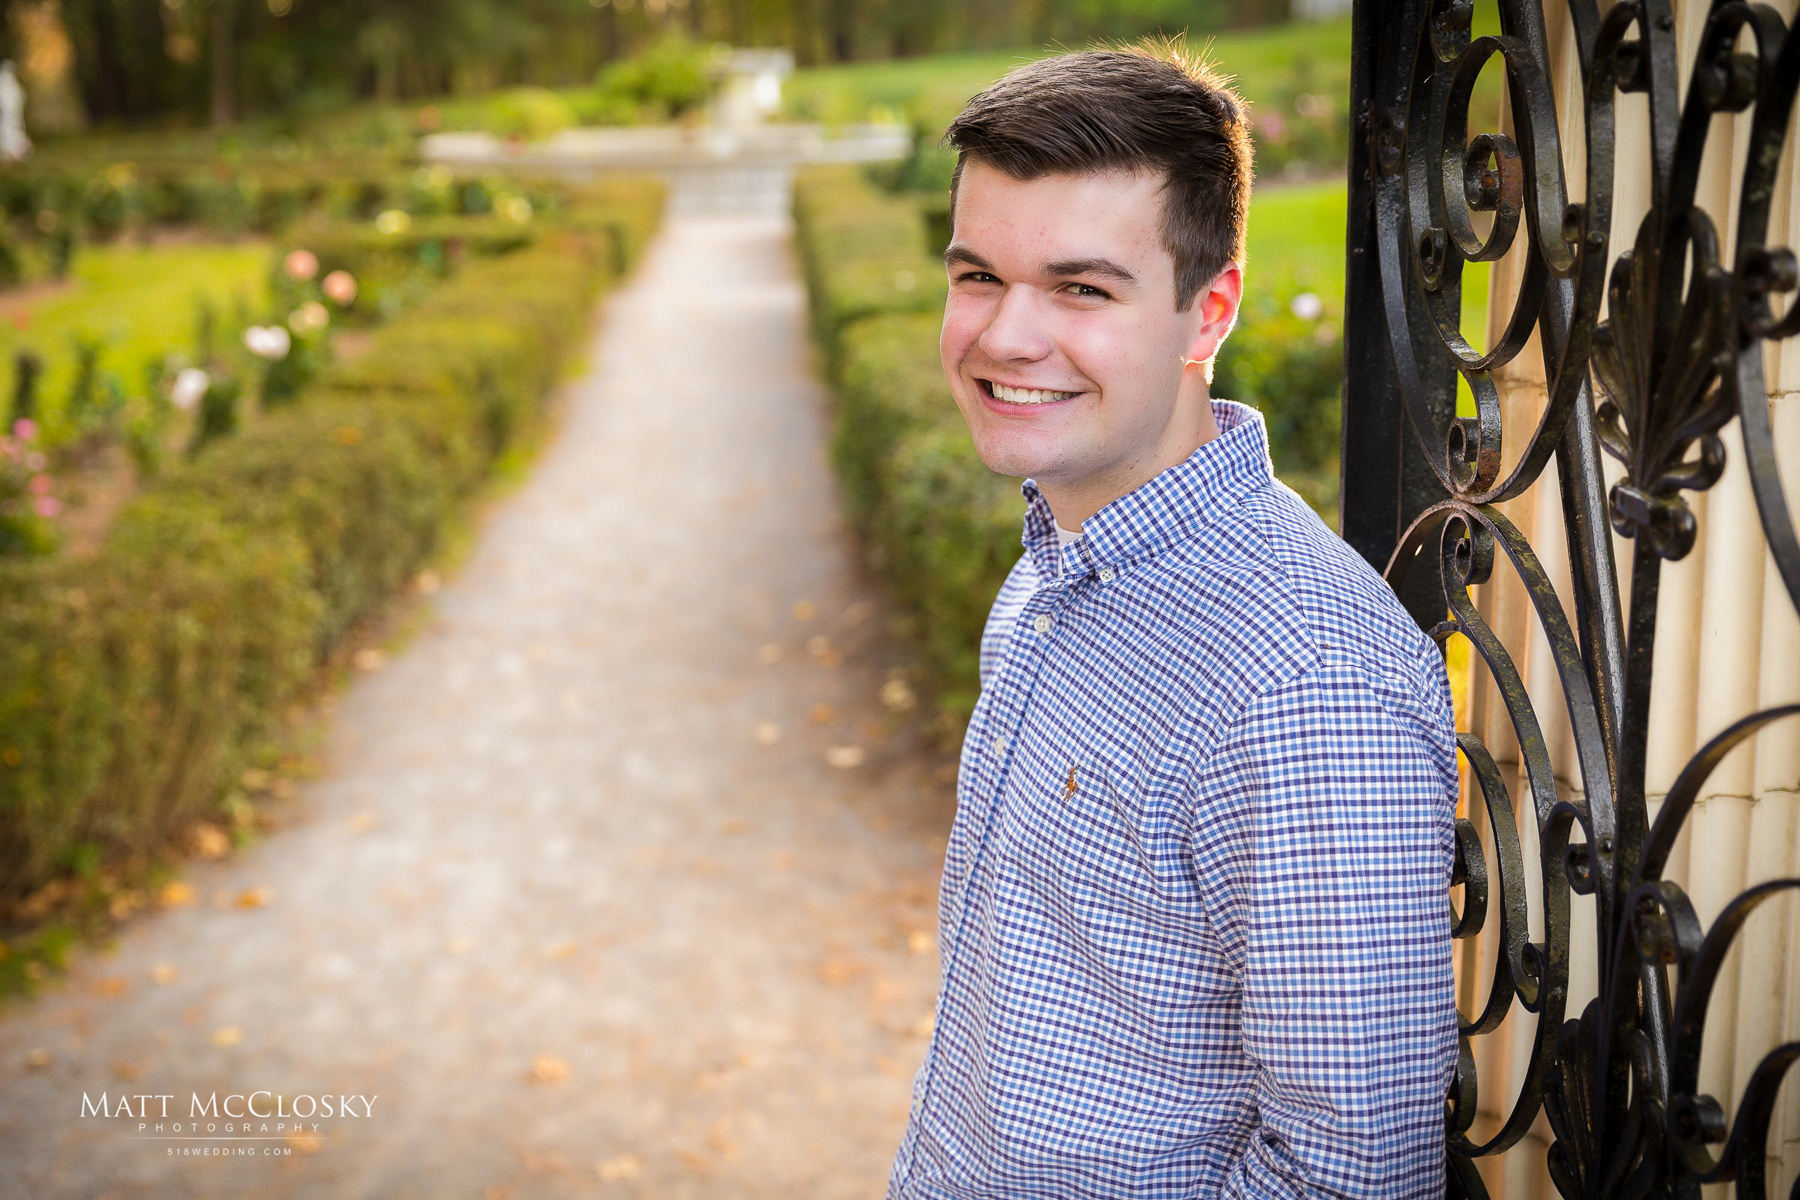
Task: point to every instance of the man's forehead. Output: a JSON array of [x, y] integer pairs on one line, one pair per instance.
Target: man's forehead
[[1104, 223]]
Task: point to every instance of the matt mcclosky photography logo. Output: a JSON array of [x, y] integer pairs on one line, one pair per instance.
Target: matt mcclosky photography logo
[[262, 1123]]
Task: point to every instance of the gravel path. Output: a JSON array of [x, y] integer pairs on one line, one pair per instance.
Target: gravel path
[[560, 899]]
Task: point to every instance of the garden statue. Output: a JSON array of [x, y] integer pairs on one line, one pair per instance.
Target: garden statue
[[14, 145]]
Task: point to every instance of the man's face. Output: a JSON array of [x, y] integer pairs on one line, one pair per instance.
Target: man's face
[[1061, 342]]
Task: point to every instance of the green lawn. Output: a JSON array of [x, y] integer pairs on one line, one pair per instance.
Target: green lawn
[[1278, 62], [140, 301]]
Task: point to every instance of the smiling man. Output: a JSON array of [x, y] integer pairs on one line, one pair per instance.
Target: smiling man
[[1193, 922]]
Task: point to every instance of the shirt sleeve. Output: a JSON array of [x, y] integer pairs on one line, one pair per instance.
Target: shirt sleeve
[[1323, 844]]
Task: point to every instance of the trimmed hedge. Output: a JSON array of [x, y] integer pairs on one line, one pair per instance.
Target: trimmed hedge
[[938, 525], [862, 251], [136, 685]]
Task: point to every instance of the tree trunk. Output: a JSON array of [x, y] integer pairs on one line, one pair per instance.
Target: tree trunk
[[222, 52]]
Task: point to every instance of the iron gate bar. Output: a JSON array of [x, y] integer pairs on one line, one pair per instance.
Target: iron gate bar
[[1679, 354]]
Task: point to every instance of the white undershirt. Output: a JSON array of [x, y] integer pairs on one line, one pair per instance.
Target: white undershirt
[[1065, 536]]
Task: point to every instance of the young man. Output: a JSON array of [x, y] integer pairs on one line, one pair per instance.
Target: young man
[[1193, 924]]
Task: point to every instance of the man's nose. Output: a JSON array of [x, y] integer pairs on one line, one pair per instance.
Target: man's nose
[[1015, 331]]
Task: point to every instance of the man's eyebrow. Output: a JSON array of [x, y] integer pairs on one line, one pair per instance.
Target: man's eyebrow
[[1105, 268], [962, 254]]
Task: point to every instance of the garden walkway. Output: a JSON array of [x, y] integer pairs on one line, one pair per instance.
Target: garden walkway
[[619, 880]]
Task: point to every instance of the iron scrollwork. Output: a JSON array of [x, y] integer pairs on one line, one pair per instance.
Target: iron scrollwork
[[1678, 355]]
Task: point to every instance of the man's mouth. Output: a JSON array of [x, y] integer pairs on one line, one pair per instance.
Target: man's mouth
[[1022, 396]]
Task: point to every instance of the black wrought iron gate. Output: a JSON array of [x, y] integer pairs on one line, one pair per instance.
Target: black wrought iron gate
[[1651, 377]]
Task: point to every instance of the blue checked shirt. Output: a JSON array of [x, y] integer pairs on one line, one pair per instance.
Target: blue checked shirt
[[1194, 923]]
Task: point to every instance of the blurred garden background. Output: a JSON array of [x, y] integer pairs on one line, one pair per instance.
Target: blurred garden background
[[288, 289]]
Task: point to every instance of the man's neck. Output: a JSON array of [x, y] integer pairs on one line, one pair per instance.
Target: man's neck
[[1071, 506]]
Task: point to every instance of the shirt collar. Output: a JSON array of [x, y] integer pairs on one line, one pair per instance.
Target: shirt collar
[[1166, 509]]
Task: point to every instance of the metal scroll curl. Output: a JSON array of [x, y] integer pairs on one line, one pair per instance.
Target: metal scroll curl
[[1532, 975], [1665, 932], [1433, 176]]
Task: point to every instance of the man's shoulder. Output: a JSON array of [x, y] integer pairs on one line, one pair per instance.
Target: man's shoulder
[[1288, 596]]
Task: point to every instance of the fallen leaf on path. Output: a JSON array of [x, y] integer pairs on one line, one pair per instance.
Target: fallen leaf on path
[[898, 695], [111, 985], [227, 1035], [428, 583], [175, 894], [845, 757], [253, 898], [768, 654], [305, 1143], [162, 973], [625, 1166], [919, 942], [370, 659], [839, 971], [128, 1071], [821, 714], [37, 1059], [547, 1068], [804, 610], [207, 840], [695, 1162], [719, 1140], [767, 733]]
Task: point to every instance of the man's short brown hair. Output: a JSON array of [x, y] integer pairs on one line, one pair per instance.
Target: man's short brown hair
[[1152, 106]]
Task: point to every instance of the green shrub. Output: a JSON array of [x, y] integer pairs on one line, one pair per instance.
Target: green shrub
[[131, 684], [528, 112], [862, 252], [670, 77]]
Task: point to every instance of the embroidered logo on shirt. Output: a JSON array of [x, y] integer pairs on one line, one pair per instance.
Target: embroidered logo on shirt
[[1069, 788]]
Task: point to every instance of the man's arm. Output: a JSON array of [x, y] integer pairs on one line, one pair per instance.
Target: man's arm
[[1323, 842]]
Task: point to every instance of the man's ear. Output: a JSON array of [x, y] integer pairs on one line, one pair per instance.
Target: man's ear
[[1217, 305]]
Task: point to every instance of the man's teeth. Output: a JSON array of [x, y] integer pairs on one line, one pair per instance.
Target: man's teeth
[[1027, 395]]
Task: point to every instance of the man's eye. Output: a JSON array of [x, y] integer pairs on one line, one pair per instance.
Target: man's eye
[[1088, 291], [975, 277]]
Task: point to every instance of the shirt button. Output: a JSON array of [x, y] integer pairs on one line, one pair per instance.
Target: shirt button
[[1000, 744], [1043, 623], [1106, 574]]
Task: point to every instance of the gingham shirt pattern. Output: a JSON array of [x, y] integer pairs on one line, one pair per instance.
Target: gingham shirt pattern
[[1193, 922]]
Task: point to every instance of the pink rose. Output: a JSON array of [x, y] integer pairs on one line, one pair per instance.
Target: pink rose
[[24, 429], [301, 264], [339, 287], [47, 506], [40, 485]]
